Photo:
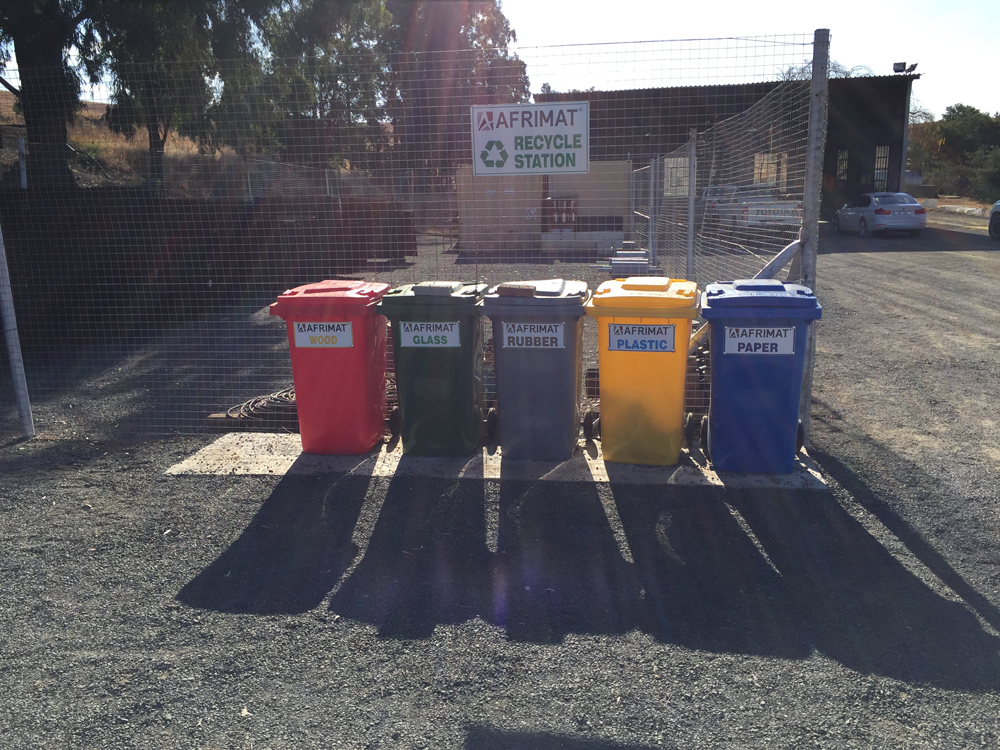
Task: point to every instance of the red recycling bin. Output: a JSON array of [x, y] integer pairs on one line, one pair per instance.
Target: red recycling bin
[[337, 344]]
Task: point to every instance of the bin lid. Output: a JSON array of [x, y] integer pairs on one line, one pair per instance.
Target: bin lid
[[645, 296], [333, 295], [752, 297], [544, 297], [446, 294]]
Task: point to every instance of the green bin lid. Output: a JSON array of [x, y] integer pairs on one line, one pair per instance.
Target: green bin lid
[[451, 296]]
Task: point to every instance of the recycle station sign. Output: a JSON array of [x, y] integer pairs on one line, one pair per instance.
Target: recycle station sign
[[550, 138]]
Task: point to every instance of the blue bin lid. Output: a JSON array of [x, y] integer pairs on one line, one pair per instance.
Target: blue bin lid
[[545, 297], [759, 298]]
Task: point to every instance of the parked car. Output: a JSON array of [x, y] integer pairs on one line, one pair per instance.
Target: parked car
[[712, 196], [759, 206], [881, 212], [995, 221]]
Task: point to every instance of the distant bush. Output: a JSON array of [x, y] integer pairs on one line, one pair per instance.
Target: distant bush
[[960, 153]]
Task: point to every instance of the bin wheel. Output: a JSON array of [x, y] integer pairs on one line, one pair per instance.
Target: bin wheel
[[690, 429], [588, 424], [395, 420], [800, 438], [704, 437], [492, 424]]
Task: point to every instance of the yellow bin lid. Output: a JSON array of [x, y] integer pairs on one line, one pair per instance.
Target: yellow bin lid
[[645, 297]]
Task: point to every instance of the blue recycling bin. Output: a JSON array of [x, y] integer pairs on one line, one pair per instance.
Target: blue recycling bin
[[758, 338]]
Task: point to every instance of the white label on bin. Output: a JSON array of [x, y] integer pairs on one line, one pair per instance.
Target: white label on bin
[[533, 336], [640, 338], [760, 340], [338, 335], [429, 334]]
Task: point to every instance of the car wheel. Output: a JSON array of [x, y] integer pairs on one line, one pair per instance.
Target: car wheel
[[995, 226], [914, 232], [836, 224], [863, 229]]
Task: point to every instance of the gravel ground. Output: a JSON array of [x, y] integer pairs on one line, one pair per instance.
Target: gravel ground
[[152, 611]]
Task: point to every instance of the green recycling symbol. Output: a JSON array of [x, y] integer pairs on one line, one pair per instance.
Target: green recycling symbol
[[488, 157]]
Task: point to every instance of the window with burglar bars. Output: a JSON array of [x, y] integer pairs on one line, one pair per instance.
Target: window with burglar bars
[[151, 232], [881, 168], [842, 165]]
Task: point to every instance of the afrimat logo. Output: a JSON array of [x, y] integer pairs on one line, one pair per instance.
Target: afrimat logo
[[485, 120]]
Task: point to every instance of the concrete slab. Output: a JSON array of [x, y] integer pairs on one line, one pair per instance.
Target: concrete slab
[[280, 454]]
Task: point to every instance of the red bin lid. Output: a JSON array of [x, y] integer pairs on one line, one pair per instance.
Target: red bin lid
[[328, 296]]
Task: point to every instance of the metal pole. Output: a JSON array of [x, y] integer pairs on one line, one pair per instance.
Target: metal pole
[[906, 138], [692, 187], [22, 162], [14, 347], [630, 229], [818, 100], [652, 211]]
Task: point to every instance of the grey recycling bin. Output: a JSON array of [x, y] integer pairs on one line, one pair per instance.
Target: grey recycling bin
[[538, 349]]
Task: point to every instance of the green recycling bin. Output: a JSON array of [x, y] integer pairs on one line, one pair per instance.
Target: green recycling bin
[[437, 342]]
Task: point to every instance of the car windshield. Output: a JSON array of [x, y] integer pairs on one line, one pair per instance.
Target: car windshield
[[893, 200]]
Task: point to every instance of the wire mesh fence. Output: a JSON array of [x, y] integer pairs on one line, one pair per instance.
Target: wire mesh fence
[[146, 238]]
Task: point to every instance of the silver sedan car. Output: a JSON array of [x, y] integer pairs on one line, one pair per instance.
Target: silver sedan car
[[881, 212]]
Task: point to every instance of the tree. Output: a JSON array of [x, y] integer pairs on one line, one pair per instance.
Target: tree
[[41, 33], [447, 57], [918, 112], [327, 75], [834, 70], [960, 153], [965, 129], [159, 56]]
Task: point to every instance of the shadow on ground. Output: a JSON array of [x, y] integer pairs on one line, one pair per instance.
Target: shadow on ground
[[766, 572], [486, 738], [292, 553], [930, 240]]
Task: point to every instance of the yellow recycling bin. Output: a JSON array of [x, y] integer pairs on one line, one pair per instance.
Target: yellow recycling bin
[[644, 325]]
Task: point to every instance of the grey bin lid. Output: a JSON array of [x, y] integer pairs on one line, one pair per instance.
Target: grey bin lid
[[759, 297], [544, 297]]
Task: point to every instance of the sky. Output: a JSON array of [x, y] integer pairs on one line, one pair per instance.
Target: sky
[[954, 44]]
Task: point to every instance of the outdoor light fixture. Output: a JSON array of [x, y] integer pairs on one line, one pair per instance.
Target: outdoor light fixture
[[900, 67]]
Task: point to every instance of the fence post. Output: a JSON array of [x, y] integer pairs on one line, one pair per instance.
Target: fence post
[[14, 347], [811, 197], [692, 188], [22, 163], [652, 211]]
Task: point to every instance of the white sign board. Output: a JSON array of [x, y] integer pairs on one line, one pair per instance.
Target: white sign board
[[533, 336], [324, 335], [552, 138], [429, 334], [640, 338], [760, 340]]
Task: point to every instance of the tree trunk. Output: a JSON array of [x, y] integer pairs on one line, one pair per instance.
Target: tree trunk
[[156, 145], [49, 96]]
